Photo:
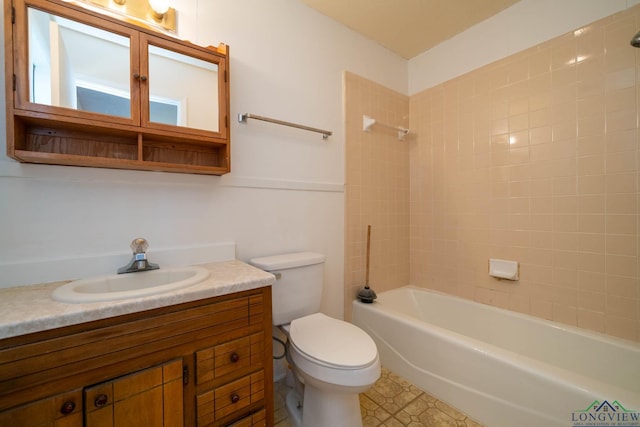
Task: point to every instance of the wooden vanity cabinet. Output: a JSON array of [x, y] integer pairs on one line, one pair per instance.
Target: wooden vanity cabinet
[[203, 363], [87, 89]]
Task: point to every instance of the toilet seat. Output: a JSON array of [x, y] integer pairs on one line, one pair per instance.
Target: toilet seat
[[332, 343]]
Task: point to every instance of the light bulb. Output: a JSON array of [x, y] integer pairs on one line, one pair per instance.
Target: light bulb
[[159, 7]]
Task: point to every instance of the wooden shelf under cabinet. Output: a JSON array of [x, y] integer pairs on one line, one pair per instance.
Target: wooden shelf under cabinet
[[52, 141]]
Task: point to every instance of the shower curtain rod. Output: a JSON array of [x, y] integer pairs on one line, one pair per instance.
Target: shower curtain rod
[[367, 122], [243, 118]]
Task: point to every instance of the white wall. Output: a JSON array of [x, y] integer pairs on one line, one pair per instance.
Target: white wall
[[523, 25], [285, 192]]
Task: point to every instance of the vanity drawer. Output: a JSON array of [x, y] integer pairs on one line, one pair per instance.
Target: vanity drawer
[[229, 357], [229, 398], [254, 420]]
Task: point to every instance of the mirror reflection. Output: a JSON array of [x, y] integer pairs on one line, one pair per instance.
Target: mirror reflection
[[184, 86], [74, 65], [71, 63]]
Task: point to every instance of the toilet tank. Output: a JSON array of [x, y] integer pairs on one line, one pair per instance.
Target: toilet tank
[[297, 291]]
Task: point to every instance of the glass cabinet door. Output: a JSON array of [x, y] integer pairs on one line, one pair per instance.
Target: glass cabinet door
[[185, 88], [76, 66]]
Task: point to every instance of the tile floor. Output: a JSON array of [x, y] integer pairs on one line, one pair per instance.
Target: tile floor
[[391, 402]]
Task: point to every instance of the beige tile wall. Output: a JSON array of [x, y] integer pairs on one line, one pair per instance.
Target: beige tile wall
[[377, 188], [533, 158]]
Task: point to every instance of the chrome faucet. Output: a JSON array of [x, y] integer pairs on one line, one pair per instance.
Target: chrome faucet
[[139, 261]]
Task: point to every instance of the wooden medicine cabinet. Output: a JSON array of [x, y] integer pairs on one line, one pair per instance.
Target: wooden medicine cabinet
[[87, 89]]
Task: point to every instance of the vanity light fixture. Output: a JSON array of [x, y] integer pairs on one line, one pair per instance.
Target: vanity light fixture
[[156, 13]]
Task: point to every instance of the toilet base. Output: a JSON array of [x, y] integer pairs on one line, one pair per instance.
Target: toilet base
[[321, 409], [294, 407]]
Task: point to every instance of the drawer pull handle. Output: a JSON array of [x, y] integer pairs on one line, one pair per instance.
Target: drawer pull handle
[[101, 400], [67, 407], [234, 357], [235, 398]]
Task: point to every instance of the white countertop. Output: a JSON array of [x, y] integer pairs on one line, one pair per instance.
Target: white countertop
[[27, 309]]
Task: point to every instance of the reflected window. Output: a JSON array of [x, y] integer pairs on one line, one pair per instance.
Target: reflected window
[[116, 103]]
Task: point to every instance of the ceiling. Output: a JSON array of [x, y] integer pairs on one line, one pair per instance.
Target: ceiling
[[409, 27]]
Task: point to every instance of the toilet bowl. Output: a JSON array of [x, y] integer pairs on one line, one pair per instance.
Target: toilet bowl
[[333, 360]]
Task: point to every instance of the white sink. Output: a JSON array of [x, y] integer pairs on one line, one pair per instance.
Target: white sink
[[130, 285]]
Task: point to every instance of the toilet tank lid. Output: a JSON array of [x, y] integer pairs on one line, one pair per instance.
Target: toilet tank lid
[[292, 260]]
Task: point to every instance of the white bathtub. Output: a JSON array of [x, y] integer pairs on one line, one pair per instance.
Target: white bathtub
[[500, 367]]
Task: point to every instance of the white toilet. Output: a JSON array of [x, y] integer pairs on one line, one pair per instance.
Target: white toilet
[[335, 360]]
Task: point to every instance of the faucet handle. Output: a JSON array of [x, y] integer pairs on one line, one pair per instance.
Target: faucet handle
[[139, 245]]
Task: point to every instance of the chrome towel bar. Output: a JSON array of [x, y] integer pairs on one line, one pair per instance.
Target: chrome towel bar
[[242, 118]]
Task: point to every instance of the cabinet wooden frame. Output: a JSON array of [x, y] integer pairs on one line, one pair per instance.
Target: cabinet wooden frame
[[42, 366], [39, 133]]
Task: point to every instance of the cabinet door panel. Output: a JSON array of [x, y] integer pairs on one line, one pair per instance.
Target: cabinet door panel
[[172, 396], [64, 410], [98, 403], [183, 90], [68, 68], [143, 409], [152, 397], [185, 87], [74, 65]]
